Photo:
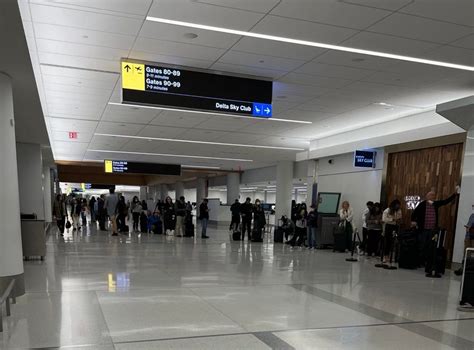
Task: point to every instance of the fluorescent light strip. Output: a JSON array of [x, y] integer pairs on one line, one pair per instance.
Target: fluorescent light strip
[[169, 155], [199, 167], [311, 43], [200, 142], [212, 113]]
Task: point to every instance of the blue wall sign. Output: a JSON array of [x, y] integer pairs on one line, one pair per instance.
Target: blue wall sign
[[364, 159]]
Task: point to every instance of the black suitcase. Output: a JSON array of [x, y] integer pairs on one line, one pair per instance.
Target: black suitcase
[[467, 282], [257, 236], [236, 235], [278, 235], [408, 252], [339, 242], [436, 261], [143, 224], [189, 230]]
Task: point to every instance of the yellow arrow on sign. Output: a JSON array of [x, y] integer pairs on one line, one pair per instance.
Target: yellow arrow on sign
[[133, 76]]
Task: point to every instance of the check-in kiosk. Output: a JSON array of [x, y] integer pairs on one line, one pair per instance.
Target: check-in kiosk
[[328, 218]]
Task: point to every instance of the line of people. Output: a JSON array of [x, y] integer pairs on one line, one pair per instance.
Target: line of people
[[241, 221]]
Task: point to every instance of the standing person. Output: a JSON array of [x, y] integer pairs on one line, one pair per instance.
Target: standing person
[[144, 205], [204, 217], [312, 223], [374, 228], [122, 213], [76, 214], [169, 216], [425, 219], [59, 213], [259, 221], [300, 226], [246, 210], [84, 210], [180, 206], [235, 220], [111, 207], [369, 205], [136, 208], [159, 206], [469, 239], [101, 212], [92, 202], [294, 211], [391, 218], [346, 215]]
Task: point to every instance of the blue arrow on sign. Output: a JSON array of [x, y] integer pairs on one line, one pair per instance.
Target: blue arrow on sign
[[267, 110]]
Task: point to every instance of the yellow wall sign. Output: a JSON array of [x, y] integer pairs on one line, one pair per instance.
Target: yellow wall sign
[[108, 166], [133, 76]]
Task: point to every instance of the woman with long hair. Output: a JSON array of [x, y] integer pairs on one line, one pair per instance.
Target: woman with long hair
[[391, 218], [169, 216], [136, 208], [346, 215]]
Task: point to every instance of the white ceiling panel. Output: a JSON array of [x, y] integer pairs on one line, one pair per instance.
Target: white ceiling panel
[[467, 42], [281, 141], [201, 135], [413, 79], [79, 62], [83, 36], [296, 29], [283, 88], [172, 60], [138, 7], [225, 124], [134, 115], [354, 60], [459, 11], [81, 82], [119, 128], [247, 5], [237, 137], [279, 106], [277, 49], [141, 146], [428, 98], [254, 72], [169, 48], [81, 50], [268, 128], [315, 80], [70, 148], [257, 60], [179, 119], [388, 43], [419, 28], [58, 124], [53, 96], [330, 12], [381, 4], [108, 143], [84, 19], [196, 12], [330, 70], [80, 74], [162, 31], [162, 131], [453, 55]]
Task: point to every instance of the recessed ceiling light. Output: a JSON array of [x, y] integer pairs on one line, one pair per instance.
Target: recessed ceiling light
[[201, 142], [85, 36], [261, 61], [168, 155], [310, 43], [213, 113], [191, 35]]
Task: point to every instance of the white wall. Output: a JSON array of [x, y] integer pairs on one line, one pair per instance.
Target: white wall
[[30, 179], [221, 195], [190, 194], [356, 185]]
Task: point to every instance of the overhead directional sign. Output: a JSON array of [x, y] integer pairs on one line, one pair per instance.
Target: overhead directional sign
[[126, 167], [162, 85]]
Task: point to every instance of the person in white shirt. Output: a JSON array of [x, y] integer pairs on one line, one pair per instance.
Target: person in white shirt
[[365, 232], [391, 218], [346, 215]]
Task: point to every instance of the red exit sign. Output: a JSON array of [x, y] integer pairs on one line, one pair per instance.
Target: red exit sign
[[73, 135]]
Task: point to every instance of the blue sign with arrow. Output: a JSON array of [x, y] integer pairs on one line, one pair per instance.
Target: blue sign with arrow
[[262, 110]]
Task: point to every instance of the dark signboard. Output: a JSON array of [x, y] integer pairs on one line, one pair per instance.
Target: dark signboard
[[162, 85], [126, 167], [364, 159]]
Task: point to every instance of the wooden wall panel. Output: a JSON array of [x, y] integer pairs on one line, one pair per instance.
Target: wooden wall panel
[[414, 173]]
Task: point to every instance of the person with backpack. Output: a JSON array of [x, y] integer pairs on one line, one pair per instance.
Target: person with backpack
[[59, 213], [204, 217], [235, 219], [312, 223], [136, 208], [246, 210]]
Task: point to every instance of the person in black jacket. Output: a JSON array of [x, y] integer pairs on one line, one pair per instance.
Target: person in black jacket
[[235, 210], [425, 219], [312, 224], [259, 222], [169, 216], [180, 206], [246, 210], [204, 217], [122, 213]]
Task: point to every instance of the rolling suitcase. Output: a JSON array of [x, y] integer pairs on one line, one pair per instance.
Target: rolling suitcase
[[189, 230], [436, 262], [278, 235], [236, 236], [339, 239], [257, 235], [408, 252], [466, 298], [143, 224]]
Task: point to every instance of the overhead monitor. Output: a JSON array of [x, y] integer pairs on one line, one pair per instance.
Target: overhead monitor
[[126, 167], [177, 88], [364, 159]]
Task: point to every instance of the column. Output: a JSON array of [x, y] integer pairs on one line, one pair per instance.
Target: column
[[143, 193], [466, 198], [233, 187], [312, 182], [284, 187], [201, 190], [164, 191], [47, 195], [179, 189], [11, 254], [30, 179]]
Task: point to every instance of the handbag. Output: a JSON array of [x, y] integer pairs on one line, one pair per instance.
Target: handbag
[[68, 224]]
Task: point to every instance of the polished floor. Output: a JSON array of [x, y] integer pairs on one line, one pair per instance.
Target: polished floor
[[94, 291]]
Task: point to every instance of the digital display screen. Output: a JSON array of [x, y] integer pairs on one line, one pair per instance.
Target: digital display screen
[[175, 87], [364, 159], [126, 167]]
